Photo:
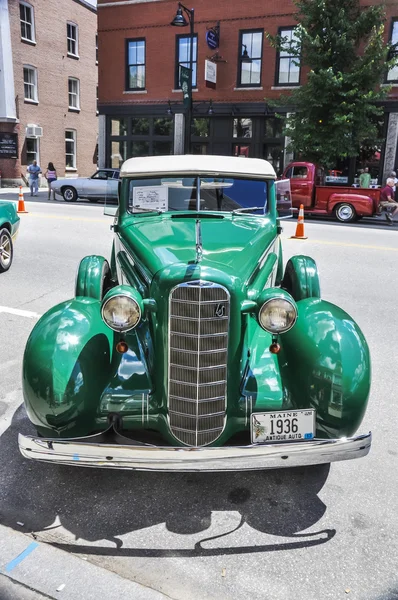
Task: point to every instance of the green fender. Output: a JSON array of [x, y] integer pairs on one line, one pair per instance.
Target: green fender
[[67, 364], [301, 278], [325, 364], [93, 277]]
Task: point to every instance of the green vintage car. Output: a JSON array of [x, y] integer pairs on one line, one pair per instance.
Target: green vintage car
[[9, 225], [194, 349]]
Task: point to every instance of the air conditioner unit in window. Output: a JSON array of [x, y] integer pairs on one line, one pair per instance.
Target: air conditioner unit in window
[[34, 131]]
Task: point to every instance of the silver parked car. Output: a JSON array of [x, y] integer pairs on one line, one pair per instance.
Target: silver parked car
[[100, 186]]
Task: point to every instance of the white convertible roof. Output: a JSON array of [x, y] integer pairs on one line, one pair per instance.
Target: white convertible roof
[[193, 163]]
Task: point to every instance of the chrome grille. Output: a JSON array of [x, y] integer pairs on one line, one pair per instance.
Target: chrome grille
[[198, 344]]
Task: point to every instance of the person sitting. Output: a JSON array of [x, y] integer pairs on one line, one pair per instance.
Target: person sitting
[[387, 200]]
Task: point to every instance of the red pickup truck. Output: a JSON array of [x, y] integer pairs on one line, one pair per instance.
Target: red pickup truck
[[347, 204]]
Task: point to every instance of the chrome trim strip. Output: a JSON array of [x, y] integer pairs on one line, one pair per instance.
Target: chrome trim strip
[[142, 408], [194, 302], [194, 351], [196, 368], [216, 414], [195, 320], [260, 264], [195, 384], [198, 229], [192, 400], [190, 431], [227, 458], [201, 337]]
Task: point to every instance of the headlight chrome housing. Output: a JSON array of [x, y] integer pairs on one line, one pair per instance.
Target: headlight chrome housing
[[121, 309], [277, 314]]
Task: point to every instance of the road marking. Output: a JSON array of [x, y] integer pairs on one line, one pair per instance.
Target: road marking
[[20, 313], [15, 562], [346, 244], [61, 218]]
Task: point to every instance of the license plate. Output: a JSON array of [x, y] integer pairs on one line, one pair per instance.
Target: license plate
[[283, 426]]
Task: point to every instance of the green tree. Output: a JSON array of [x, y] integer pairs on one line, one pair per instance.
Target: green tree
[[336, 113]]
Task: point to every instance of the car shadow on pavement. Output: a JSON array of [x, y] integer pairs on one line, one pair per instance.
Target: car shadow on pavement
[[95, 504]]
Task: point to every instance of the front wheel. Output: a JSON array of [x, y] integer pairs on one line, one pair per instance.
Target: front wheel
[[69, 194], [345, 213], [6, 250]]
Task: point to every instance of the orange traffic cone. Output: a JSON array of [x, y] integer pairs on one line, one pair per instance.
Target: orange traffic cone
[[299, 235], [21, 202]]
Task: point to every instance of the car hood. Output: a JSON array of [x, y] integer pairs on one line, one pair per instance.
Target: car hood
[[75, 182], [233, 243]]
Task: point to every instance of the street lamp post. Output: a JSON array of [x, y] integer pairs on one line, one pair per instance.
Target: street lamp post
[[180, 21]]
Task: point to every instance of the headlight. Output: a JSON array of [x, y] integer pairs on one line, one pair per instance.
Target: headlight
[[121, 313], [277, 315]]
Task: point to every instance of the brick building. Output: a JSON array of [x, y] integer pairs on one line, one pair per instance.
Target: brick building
[[141, 107], [48, 87]]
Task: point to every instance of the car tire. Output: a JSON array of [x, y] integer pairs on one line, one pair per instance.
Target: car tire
[[6, 250], [345, 213], [69, 194]]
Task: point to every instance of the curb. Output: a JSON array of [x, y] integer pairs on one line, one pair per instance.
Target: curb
[[56, 574]]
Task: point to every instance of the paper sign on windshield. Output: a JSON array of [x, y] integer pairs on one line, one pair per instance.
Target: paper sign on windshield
[[151, 197]]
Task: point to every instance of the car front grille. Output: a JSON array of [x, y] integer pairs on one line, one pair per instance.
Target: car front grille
[[198, 347]]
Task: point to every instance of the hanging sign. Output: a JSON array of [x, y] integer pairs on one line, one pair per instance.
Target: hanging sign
[[213, 37], [210, 73], [185, 74]]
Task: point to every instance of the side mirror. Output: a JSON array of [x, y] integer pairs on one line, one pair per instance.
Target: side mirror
[[283, 199]]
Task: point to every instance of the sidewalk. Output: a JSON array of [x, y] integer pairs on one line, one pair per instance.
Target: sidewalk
[[31, 570]]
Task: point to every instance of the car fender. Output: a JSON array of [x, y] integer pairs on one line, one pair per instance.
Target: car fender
[[92, 276], [66, 365], [326, 366], [363, 204], [9, 217]]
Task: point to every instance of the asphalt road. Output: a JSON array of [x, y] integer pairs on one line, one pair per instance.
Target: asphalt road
[[316, 533]]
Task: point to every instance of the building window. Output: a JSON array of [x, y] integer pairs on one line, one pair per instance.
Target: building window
[[139, 136], [393, 73], [74, 93], [183, 56], [32, 150], [30, 83], [96, 49], [135, 64], [73, 39], [242, 128], [70, 149], [288, 68], [250, 58], [27, 22]]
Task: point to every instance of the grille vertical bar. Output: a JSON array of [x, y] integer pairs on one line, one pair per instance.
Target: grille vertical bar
[[198, 351]]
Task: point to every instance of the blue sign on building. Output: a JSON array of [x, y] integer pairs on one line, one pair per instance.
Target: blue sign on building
[[213, 38]]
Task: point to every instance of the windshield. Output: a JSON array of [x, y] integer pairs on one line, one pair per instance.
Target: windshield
[[177, 193]]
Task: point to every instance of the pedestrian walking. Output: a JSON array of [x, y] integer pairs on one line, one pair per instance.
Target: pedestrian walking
[[50, 175], [387, 200], [364, 178], [393, 176], [34, 171]]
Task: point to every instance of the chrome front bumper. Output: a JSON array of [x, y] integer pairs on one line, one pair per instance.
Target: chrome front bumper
[[228, 458]]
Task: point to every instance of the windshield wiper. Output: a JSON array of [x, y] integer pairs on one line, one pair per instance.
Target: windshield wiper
[[237, 211]]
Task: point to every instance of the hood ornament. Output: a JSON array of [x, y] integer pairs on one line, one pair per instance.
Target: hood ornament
[[199, 249]]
